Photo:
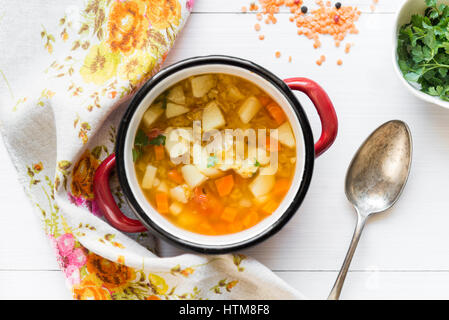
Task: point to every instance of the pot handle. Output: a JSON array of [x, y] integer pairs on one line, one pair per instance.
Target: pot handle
[[325, 108], [106, 201]]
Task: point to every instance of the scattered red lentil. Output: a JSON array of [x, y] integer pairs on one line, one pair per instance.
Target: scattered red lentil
[[347, 48], [253, 7], [244, 9], [321, 60], [326, 19]]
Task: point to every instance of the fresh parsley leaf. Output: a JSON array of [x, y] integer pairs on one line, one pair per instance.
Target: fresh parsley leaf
[[158, 141], [212, 161], [431, 3], [257, 163], [163, 99], [140, 142], [423, 50], [141, 139], [137, 153]]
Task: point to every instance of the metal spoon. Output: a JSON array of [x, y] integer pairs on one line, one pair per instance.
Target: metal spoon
[[375, 179]]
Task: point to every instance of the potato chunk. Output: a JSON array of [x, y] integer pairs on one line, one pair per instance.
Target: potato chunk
[[148, 178], [212, 117], [175, 208], [180, 193], [192, 176], [261, 185], [152, 114], [176, 95], [162, 187], [177, 142], [201, 85], [286, 136], [174, 110], [234, 94], [249, 109]]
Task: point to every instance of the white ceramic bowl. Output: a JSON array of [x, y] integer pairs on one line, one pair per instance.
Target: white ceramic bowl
[[409, 8]]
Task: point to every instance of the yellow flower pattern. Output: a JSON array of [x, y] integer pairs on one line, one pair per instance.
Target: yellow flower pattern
[[137, 67], [163, 13], [100, 64]]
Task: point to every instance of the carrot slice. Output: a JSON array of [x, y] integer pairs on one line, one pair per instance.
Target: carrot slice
[[251, 219], [159, 152], [264, 100], [276, 113], [175, 176], [269, 207], [162, 202], [206, 203], [229, 214], [224, 185], [206, 228], [281, 187], [235, 226]]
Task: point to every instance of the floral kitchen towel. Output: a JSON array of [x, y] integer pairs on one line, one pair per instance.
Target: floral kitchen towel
[[67, 68]]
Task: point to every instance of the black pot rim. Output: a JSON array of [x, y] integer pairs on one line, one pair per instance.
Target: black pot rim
[[214, 60]]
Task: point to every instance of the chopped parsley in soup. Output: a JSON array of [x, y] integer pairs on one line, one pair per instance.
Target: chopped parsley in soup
[[206, 156]]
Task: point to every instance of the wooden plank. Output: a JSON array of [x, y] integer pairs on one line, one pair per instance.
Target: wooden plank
[[32, 285], [374, 285], [213, 6], [365, 91], [314, 285], [23, 244]]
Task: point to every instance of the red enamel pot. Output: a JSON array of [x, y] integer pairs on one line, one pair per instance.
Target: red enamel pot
[[281, 91]]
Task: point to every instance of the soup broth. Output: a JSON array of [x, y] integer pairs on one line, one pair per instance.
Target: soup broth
[[213, 197]]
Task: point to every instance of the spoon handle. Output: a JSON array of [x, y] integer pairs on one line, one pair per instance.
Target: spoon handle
[[336, 290]]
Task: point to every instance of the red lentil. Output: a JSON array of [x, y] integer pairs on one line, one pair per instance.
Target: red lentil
[[253, 7], [347, 48], [327, 19]]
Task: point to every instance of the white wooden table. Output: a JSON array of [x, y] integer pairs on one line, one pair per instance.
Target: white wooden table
[[402, 254]]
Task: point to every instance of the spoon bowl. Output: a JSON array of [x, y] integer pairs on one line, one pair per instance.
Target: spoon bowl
[[379, 170], [375, 180]]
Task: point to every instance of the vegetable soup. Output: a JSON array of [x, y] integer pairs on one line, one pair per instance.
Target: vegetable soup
[[225, 191]]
